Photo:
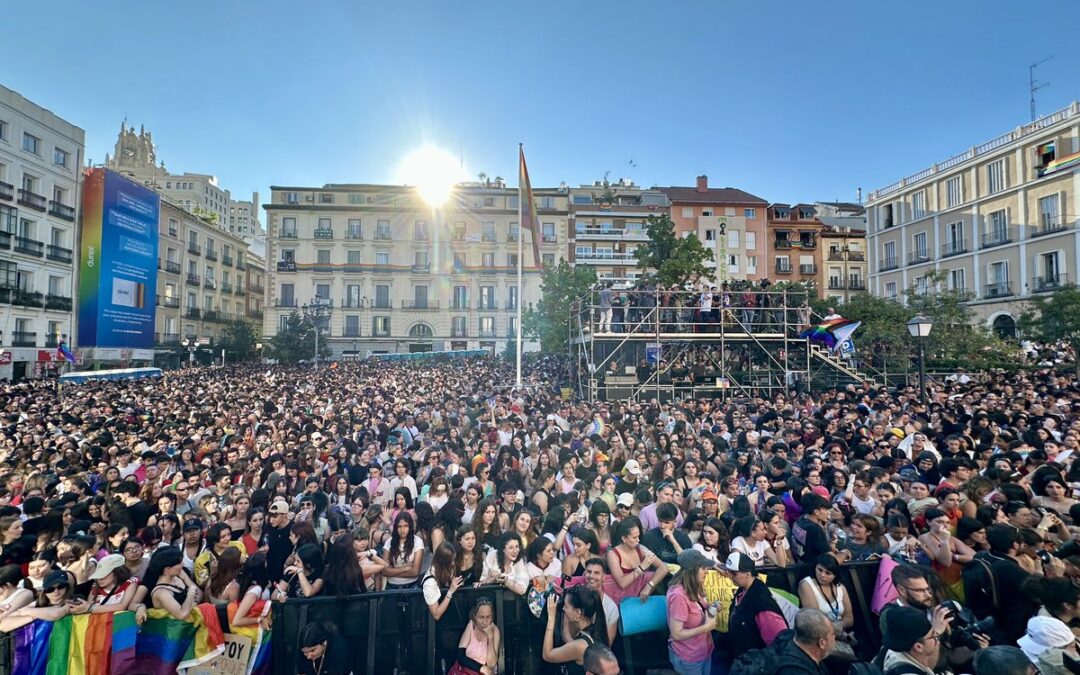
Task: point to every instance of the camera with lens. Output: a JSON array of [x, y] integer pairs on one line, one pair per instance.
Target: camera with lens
[[965, 626]]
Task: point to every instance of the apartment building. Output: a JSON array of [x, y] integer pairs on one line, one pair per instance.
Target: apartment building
[[998, 220], [244, 222], [400, 276], [608, 222], [255, 269], [40, 160], [843, 250], [794, 253], [728, 221], [202, 281]]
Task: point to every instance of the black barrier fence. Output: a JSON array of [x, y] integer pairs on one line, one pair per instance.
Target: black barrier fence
[[394, 631]]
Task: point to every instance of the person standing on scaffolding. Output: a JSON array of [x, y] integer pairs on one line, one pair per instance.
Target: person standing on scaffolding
[[605, 309]]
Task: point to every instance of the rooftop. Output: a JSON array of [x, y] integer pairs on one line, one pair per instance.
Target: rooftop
[[725, 195]]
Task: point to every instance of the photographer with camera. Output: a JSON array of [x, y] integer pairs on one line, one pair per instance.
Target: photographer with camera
[[913, 645]]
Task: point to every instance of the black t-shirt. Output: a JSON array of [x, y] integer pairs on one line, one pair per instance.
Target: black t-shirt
[[808, 540], [622, 487], [782, 477], [280, 548], [658, 544], [335, 661], [140, 513]]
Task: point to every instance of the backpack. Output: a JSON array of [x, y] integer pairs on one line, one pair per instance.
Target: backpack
[[980, 588], [764, 661]]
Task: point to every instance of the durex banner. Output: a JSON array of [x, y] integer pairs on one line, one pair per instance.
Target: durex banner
[[117, 262]]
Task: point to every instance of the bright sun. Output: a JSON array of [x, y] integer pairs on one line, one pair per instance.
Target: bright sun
[[434, 172]]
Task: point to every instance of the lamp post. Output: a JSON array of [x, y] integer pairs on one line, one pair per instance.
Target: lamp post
[[919, 329], [316, 311], [192, 344]]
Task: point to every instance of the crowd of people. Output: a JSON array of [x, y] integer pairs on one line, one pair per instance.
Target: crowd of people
[[247, 483]]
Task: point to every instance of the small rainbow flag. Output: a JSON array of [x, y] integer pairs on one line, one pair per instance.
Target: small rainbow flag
[[597, 426], [63, 352], [831, 333]]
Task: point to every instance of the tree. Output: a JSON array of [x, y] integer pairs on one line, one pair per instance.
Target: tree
[[238, 340], [560, 286], [1053, 317], [296, 342], [674, 259]]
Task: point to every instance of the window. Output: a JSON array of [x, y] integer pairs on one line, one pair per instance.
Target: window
[[382, 230], [354, 231], [888, 255], [487, 260], [956, 280], [751, 240], [954, 238], [283, 323], [487, 231], [749, 213], [420, 296], [547, 202], [56, 285], [420, 230], [921, 251], [733, 238], [547, 259], [710, 235], [380, 326], [512, 260], [548, 230], [687, 212], [954, 191], [31, 143], [487, 297], [918, 204], [60, 157], [890, 290], [3, 130], [288, 254], [460, 261], [29, 183], [583, 199], [322, 292], [998, 279], [420, 258], [512, 328], [998, 228], [460, 297], [352, 325], [1048, 213], [512, 202], [382, 258], [487, 326], [706, 212], [288, 228], [288, 299], [489, 201], [322, 256], [733, 263], [457, 326], [995, 176], [382, 296], [751, 264], [326, 198], [512, 302], [783, 263]]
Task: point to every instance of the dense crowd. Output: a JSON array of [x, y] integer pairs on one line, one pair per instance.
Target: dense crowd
[[248, 483]]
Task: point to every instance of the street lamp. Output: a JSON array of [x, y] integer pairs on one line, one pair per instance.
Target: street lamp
[[192, 343], [318, 310], [919, 329]]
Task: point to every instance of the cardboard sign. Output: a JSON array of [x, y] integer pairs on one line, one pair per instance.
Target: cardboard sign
[[233, 661]]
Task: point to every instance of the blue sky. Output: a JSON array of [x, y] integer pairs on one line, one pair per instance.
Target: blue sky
[[792, 101]]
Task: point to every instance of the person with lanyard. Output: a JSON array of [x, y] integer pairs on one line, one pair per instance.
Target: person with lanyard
[[322, 652], [755, 618]]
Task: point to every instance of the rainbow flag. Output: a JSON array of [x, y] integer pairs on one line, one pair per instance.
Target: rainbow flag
[[1062, 163], [597, 427], [63, 352], [166, 644], [31, 648], [530, 222], [831, 333], [260, 638], [85, 644]]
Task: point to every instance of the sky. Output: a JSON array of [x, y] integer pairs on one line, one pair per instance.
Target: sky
[[791, 101]]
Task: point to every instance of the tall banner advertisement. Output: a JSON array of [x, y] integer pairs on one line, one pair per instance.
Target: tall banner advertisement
[[117, 262]]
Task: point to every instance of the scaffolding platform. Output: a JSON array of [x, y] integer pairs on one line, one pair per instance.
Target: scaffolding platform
[[664, 345]]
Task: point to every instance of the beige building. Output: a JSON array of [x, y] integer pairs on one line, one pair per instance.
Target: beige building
[[202, 282], [998, 220], [399, 276], [607, 224], [40, 160], [255, 269], [842, 270], [244, 223]]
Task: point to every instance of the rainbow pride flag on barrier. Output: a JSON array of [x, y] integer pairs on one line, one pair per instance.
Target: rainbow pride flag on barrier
[[260, 638], [166, 645], [86, 644]]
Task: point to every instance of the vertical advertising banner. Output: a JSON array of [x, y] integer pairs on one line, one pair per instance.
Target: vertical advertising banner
[[117, 262]]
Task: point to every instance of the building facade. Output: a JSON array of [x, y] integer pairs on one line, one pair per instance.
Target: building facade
[[40, 176], [998, 221], [202, 282], [728, 221], [793, 243], [608, 222], [255, 269], [244, 223], [398, 275]]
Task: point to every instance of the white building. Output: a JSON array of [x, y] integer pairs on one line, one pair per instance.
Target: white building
[[40, 159], [244, 223]]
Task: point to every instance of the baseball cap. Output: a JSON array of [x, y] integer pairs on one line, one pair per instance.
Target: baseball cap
[[903, 627], [1043, 633], [625, 499], [107, 566], [738, 562], [692, 559], [277, 508], [632, 467], [708, 496], [192, 524]]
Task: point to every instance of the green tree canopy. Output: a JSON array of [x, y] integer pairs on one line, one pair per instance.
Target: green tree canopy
[[549, 320], [1053, 317], [296, 341], [238, 340], [671, 259]]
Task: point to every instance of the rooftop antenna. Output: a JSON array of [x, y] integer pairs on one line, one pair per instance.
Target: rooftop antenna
[[1034, 85]]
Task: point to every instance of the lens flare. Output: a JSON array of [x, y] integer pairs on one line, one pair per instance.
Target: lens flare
[[433, 172]]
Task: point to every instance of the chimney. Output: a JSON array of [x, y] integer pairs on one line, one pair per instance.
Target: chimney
[[703, 183]]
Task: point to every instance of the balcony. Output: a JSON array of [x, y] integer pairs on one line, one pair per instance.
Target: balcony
[[239, 290], [193, 279], [419, 305], [887, 264], [29, 246], [194, 249], [954, 247], [240, 264], [226, 287], [351, 332], [62, 211], [547, 239], [782, 244], [256, 314], [32, 200], [836, 284], [171, 302], [807, 244], [1001, 289], [52, 341], [59, 253], [211, 254], [168, 339], [209, 283], [1049, 283], [226, 259], [382, 303], [192, 313], [26, 298], [998, 237], [459, 305], [354, 234], [172, 267], [23, 339], [60, 303], [382, 235], [1052, 224], [286, 266], [324, 233], [486, 333], [286, 302], [352, 303], [510, 306], [255, 289], [807, 269], [783, 267], [606, 258], [212, 315], [459, 333], [487, 307], [5, 239], [918, 257], [7, 191], [607, 233], [510, 239], [857, 285], [287, 234]]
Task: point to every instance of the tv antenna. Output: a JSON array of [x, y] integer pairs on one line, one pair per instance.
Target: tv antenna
[[1034, 85]]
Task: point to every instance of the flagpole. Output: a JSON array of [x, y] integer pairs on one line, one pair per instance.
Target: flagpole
[[521, 262]]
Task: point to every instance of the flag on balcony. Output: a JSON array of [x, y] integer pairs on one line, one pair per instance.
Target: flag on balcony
[[527, 207], [63, 352], [831, 334]]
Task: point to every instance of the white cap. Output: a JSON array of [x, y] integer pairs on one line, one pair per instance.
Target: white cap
[[632, 467], [1045, 632]]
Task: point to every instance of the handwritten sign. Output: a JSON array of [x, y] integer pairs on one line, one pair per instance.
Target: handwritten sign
[[233, 661]]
